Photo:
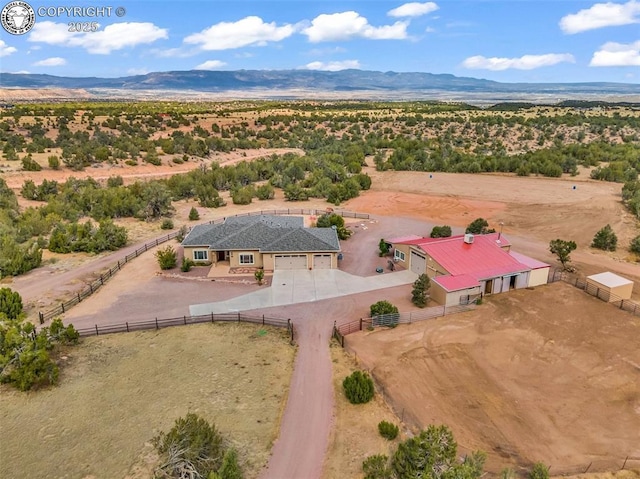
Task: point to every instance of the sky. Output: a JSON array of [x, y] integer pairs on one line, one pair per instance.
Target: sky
[[506, 41]]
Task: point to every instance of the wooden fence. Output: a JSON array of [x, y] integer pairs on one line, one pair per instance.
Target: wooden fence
[[604, 295], [104, 277], [391, 320], [157, 323]]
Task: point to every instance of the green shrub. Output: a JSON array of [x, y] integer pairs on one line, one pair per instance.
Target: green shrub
[[182, 233], [388, 430], [358, 387], [265, 192], [167, 257], [605, 239], [167, 224], [441, 231], [243, 196], [383, 248], [29, 164], [384, 313], [376, 467], [194, 444], [187, 264], [634, 247], [259, 276], [54, 162], [539, 471], [479, 226], [193, 214], [10, 303], [419, 292]]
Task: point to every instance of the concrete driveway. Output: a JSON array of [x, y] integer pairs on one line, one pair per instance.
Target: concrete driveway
[[303, 286]]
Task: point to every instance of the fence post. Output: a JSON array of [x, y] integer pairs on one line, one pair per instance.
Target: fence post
[[101, 280], [212, 317], [157, 327], [118, 265], [238, 316], [625, 462], [63, 307], [127, 323], [41, 316], [263, 319], [185, 319], [91, 288], [97, 332], [444, 310]]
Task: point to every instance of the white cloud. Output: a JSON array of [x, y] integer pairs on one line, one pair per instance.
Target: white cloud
[[114, 37], [526, 62], [137, 71], [333, 66], [614, 54], [248, 31], [413, 9], [6, 50], [21, 72], [51, 62], [346, 25], [601, 15], [210, 65]]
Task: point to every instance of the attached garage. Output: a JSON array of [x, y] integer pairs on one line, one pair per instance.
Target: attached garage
[[321, 261], [418, 263], [609, 287], [290, 261]]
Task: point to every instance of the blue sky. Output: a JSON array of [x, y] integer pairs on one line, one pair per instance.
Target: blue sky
[[509, 40]]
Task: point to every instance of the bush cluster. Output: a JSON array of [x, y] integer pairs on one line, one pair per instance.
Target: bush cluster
[[388, 430], [358, 387]]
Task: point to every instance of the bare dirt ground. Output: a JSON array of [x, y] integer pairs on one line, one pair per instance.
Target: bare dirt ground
[[117, 392], [547, 375]]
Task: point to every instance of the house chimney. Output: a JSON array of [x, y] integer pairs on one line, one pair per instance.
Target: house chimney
[[468, 238]]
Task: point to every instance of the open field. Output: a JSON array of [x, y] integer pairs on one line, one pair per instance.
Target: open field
[[548, 375], [117, 392]]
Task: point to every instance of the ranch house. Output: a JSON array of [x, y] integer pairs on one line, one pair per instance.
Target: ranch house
[[461, 268], [269, 242]]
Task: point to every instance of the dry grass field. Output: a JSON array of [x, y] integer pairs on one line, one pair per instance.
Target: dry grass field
[[117, 392], [548, 375], [355, 434]]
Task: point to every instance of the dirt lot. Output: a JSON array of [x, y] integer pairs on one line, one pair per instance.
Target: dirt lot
[[547, 375], [118, 391]]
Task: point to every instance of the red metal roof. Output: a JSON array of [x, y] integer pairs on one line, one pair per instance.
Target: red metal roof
[[404, 239], [527, 261], [456, 283]]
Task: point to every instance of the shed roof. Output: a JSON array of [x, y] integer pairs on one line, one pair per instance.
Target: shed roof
[[456, 283], [609, 279]]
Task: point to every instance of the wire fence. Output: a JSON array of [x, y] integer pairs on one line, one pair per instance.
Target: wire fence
[[62, 308], [157, 323], [392, 320], [590, 288]]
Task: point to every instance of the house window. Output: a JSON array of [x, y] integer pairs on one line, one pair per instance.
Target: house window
[[246, 258], [398, 255], [201, 255]]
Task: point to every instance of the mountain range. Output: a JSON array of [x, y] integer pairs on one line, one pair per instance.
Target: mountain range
[[343, 81]]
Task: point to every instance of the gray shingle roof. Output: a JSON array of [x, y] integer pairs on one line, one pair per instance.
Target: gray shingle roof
[[265, 233]]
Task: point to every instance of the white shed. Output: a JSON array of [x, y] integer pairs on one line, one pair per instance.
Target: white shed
[[609, 286]]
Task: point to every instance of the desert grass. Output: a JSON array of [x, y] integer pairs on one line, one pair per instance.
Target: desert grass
[[117, 392]]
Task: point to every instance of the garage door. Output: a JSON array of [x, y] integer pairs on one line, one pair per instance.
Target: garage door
[[291, 261], [418, 263], [321, 261]]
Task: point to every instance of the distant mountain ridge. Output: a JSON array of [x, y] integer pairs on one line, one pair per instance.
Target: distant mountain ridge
[[340, 81]]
